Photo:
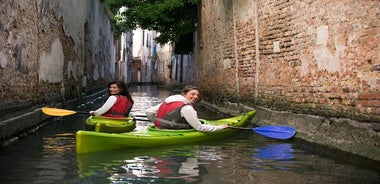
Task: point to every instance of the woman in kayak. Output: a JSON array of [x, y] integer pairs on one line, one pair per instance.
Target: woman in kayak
[[177, 112], [119, 102]]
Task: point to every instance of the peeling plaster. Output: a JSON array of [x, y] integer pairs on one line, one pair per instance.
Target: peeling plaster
[[83, 12], [51, 64], [276, 46], [78, 12], [322, 54], [3, 60], [72, 68], [226, 63], [322, 35], [102, 71], [95, 72], [304, 66], [326, 60]]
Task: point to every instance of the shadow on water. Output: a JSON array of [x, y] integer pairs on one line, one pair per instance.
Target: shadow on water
[[48, 155]]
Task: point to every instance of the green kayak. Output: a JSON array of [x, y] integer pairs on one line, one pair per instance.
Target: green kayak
[[91, 141], [110, 125]]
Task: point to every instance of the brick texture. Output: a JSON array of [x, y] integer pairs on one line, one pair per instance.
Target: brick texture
[[314, 57]]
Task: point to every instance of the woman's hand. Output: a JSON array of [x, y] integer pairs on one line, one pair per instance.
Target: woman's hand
[[225, 126]]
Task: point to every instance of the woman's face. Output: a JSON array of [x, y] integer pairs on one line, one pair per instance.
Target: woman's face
[[114, 89], [192, 96]]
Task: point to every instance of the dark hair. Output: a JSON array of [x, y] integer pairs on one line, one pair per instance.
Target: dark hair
[[188, 88], [123, 87]]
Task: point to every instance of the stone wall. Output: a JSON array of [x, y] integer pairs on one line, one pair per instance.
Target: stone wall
[[53, 50], [315, 57], [313, 65]]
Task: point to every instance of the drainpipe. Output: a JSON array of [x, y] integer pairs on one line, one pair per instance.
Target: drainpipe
[[257, 53]]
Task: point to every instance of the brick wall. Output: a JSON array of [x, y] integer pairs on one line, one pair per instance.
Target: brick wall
[[52, 51], [314, 57]]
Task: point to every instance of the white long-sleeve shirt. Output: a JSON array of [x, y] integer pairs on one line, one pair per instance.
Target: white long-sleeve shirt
[[106, 106], [187, 112]]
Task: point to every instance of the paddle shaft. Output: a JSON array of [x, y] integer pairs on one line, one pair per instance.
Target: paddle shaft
[[82, 112], [240, 128], [136, 117]]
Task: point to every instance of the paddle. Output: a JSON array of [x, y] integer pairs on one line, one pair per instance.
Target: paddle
[[64, 112], [60, 112], [277, 132]]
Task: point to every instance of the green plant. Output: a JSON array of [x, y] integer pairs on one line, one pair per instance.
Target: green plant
[[171, 18]]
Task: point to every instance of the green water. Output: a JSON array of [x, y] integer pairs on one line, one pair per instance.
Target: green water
[[47, 155]]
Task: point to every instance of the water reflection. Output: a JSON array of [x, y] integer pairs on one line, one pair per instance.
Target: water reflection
[[56, 153], [179, 167], [187, 163], [273, 156], [147, 96], [156, 164]]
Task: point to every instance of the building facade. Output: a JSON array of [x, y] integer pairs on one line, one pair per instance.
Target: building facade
[[151, 60], [318, 58]]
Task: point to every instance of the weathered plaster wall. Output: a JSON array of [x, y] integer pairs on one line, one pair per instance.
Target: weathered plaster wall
[[321, 55], [307, 55], [303, 57], [53, 50]]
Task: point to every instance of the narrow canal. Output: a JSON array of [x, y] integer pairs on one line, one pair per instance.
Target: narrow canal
[[47, 155]]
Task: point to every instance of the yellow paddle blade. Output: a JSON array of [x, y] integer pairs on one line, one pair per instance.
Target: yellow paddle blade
[[57, 112]]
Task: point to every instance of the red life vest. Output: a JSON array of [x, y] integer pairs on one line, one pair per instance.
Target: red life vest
[[120, 108], [171, 112]]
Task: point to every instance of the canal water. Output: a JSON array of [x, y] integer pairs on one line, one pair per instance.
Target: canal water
[[47, 155]]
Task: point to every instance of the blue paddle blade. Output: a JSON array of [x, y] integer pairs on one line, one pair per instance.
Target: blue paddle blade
[[277, 132]]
